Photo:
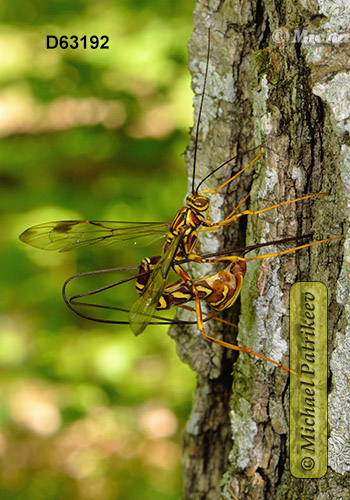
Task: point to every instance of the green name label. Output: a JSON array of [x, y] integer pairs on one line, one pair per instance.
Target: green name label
[[308, 392]]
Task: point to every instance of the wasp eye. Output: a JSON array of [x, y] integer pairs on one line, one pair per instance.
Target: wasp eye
[[201, 202], [197, 202]]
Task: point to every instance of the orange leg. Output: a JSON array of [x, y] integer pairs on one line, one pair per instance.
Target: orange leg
[[208, 316], [277, 254], [199, 314], [232, 217], [226, 344], [234, 258], [214, 191], [230, 489]]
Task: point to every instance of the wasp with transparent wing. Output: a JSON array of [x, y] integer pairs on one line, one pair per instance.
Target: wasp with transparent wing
[[219, 290], [181, 236]]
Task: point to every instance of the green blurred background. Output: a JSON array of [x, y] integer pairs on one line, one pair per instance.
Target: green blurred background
[[87, 410]]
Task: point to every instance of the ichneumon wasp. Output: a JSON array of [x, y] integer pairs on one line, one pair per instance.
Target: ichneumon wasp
[[180, 246]]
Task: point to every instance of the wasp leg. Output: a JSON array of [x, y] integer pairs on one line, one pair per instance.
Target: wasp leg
[[231, 346], [277, 254], [216, 227], [214, 191], [232, 217], [236, 268], [209, 316]]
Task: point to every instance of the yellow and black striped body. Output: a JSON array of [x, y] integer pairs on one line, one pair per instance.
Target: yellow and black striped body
[[185, 224], [145, 268], [219, 290]]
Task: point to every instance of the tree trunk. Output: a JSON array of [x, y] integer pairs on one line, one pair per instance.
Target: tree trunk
[[277, 76]]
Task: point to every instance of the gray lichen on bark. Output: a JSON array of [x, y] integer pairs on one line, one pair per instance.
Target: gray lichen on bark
[[271, 81]]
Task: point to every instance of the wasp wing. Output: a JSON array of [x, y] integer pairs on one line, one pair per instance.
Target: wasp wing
[[68, 235], [142, 310]]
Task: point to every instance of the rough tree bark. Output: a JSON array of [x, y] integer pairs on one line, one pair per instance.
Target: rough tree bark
[[278, 75]]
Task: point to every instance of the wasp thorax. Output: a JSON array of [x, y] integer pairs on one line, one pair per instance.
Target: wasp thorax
[[197, 202]]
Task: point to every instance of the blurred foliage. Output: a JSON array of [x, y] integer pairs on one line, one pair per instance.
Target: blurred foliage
[[88, 411]]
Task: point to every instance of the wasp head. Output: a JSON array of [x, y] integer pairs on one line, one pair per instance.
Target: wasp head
[[197, 202]]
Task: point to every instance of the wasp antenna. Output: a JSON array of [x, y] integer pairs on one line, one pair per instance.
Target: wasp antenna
[[200, 114]]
